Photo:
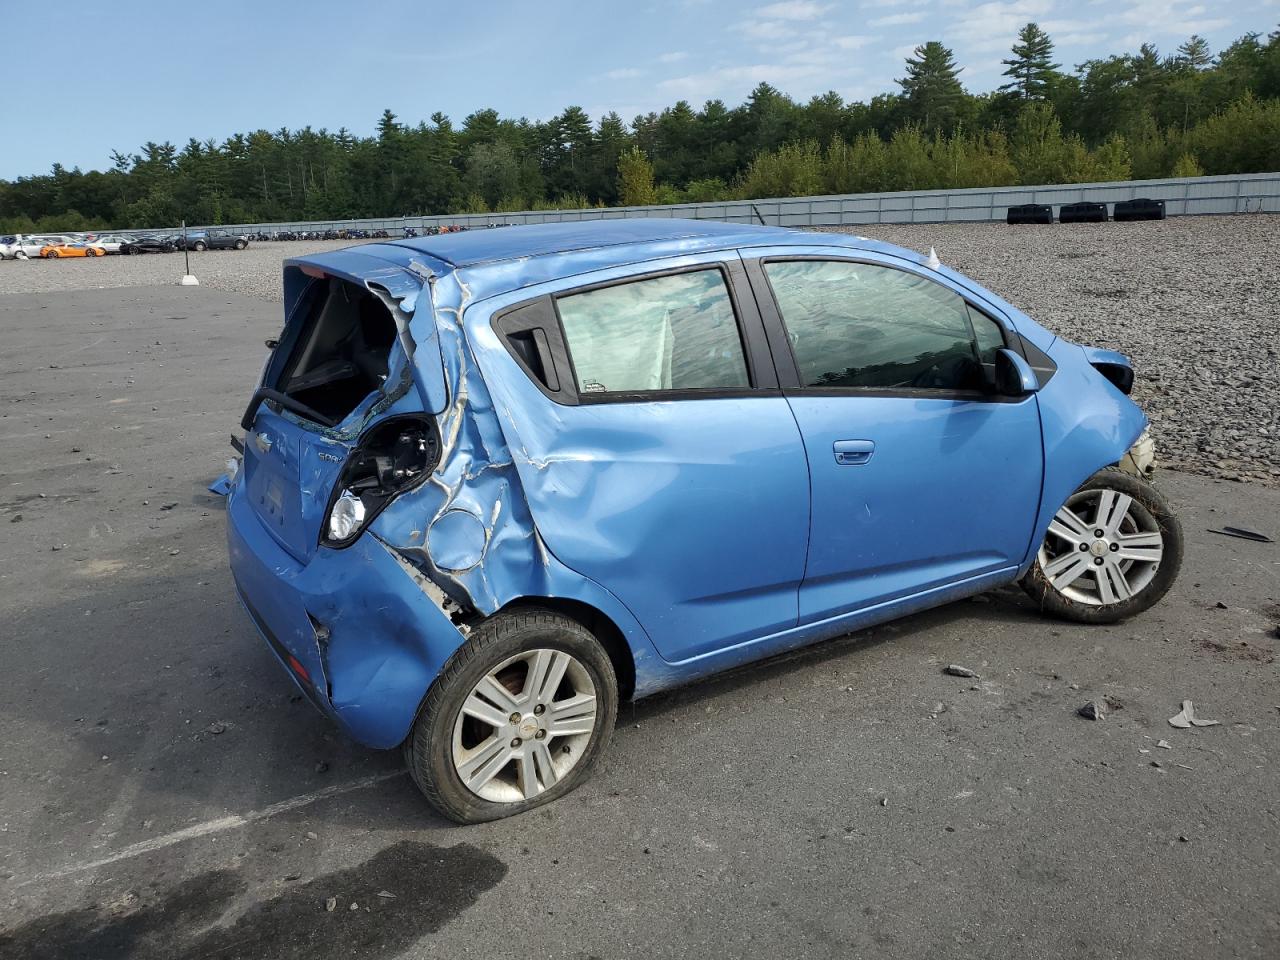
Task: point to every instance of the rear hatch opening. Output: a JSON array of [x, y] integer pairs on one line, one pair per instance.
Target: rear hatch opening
[[342, 350]]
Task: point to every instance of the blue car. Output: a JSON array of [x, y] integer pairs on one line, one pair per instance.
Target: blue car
[[496, 482]]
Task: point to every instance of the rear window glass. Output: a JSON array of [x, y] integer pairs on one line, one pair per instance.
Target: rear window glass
[[677, 332]]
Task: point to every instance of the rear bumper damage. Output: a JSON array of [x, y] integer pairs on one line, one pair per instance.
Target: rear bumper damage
[[358, 635]]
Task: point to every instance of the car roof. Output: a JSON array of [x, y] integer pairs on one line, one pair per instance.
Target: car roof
[[473, 247], [502, 259]]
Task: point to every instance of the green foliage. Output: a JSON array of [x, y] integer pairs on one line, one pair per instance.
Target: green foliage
[[1031, 68], [1136, 114], [1187, 166], [635, 179], [935, 98]]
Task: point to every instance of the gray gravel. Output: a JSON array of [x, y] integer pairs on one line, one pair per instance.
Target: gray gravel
[[1190, 300]]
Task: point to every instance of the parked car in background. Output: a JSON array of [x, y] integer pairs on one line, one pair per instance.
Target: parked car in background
[[56, 251], [111, 243], [147, 245], [28, 246], [495, 483], [214, 240], [8, 245]]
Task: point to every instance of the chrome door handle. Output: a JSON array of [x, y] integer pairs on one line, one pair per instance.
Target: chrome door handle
[[852, 453]]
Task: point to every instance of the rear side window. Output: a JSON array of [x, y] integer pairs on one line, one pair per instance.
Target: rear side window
[[863, 325], [676, 332]]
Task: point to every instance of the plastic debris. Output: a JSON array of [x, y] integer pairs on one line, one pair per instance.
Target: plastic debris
[[1163, 745], [386, 895], [1187, 718], [331, 904], [955, 670], [1093, 710], [1240, 533]]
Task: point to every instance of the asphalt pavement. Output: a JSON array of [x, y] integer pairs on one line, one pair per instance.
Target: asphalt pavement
[[165, 793]]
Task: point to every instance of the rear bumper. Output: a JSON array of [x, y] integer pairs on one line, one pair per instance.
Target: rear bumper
[[352, 628]]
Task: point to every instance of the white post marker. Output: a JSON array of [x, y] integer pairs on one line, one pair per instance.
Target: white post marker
[[188, 280]]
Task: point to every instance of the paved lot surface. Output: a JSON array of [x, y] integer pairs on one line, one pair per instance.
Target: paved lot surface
[[163, 795]]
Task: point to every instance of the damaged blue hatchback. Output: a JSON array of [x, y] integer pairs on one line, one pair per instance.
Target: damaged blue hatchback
[[496, 482]]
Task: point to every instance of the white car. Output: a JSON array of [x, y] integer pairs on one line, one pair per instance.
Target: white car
[[109, 242], [28, 247]]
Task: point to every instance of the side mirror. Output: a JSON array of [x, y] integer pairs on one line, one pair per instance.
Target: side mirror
[[1014, 376]]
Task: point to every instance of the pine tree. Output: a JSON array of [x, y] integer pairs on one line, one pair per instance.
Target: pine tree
[[1031, 67], [932, 86], [1195, 52]]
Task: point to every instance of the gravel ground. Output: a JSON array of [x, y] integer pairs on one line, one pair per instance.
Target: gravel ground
[[1190, 300]]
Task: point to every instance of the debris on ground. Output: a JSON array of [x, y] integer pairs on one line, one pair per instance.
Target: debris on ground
[[331, 904], [1220, 605], [1187, 718], [354, 906], [1163, 745], [955, 670], [386, 895], [1093, 710], [216, 728], [1240, 533]]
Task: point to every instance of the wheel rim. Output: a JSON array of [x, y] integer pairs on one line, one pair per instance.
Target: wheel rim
[[524, 726], [1103, 547]]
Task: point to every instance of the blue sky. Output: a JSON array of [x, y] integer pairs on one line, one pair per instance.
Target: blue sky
[[91, 77]]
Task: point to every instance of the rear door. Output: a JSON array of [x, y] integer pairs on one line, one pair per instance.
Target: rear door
[[658, 456], [921, 477]]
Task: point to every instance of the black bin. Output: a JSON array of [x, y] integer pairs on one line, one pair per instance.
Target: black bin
[[1030, 213], [1141, 209], [1083, 213]]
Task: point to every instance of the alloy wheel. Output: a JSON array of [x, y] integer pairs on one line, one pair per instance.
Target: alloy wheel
[[524, 726], [1103, 547]]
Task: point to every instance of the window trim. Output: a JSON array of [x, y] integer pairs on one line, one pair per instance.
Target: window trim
[[789, 369], [756, 354]]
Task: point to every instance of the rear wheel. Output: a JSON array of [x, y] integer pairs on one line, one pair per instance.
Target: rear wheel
[[197, 246], [516, 718], [51, 255], [1112, 551]]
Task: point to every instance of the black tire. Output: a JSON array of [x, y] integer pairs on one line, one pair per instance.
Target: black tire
[[428, 750], [1052, 600], [51, 255], [240, 244], [198, 246]]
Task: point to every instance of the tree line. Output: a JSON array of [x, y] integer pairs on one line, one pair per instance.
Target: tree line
[[1129, 116]]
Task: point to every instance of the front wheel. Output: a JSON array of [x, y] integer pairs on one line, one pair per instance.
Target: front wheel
[[516, 718], [1112, 551], [51, 255]]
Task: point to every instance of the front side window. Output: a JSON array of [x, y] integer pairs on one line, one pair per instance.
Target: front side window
[[676, 332], [864, 325]]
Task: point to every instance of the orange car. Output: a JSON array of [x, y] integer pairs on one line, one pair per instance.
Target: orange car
[[55, 250]]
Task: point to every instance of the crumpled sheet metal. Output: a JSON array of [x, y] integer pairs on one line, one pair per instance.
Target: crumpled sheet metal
[[476, 476]]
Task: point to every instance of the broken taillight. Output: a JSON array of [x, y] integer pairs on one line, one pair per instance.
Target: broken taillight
[[397, 454]]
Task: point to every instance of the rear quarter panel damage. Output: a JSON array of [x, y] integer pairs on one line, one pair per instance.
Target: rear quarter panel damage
[[467, 530]]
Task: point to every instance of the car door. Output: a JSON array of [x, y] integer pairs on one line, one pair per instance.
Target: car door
[[922, 478], [657, 454]]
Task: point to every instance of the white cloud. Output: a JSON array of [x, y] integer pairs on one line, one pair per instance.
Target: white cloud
[[765, 29], [624, 73], [675, 56], [853, 41], [793, 10], [897, 19]]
